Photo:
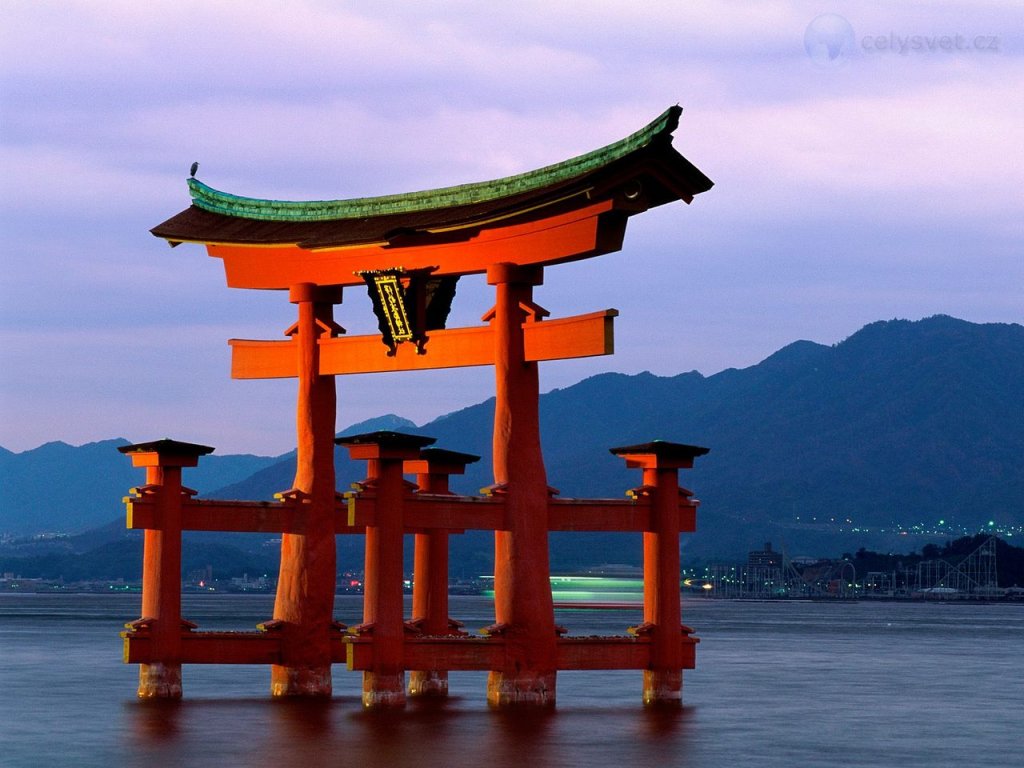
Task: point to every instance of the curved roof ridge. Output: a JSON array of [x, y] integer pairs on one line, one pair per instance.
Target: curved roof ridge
[[215, 201]]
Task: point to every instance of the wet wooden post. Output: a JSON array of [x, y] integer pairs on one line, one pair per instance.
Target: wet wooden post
[[671, 513], [384, 683], [430, 570], [304, 604], [523, 606], [161, 562]]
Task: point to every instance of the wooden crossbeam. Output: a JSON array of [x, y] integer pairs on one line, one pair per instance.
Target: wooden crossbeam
[[210, 648], [421, 512], [452, 654], [599, 515], [231, 516], [482, 653], [578, 233], [208, 515], [434, 511], [565, 338], [615, 653], [445, 653], [610, 515]]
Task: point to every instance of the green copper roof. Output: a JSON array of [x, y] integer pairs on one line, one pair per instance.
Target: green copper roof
[[212, 200]]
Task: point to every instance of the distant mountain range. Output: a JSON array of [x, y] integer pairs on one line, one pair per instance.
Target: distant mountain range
[[62, 488], [902, 424], [59, 487]]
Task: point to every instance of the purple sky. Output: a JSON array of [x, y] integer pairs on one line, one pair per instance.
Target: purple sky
[[876, 185]]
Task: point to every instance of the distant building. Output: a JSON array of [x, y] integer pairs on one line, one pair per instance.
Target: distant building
[[764, 558]]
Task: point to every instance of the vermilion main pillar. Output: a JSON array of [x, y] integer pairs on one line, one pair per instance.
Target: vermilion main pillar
[[523, 605], [304, 606]]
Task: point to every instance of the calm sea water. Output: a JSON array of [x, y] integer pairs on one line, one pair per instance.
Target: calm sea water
[[776, 684]]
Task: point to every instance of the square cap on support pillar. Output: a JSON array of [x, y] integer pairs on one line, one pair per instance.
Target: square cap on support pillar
[[328, 294], [385, 444], [440, 461], [660, 454], [165, 453]]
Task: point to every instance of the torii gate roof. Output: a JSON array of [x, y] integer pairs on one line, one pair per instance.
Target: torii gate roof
[[638, 172]]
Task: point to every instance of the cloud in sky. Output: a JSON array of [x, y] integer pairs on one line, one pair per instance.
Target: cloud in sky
[[886, 186]]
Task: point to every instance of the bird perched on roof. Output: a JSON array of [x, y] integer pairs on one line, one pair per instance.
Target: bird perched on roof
[[195, 167]]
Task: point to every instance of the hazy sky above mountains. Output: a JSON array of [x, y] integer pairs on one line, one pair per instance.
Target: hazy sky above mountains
[[882, 183]]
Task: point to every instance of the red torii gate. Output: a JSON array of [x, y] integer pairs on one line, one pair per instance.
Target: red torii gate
[[409, 250]]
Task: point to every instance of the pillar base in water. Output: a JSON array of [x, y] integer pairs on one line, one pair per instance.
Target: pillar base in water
[[663, 688], [159, 681], [383, 690], [533, 689], [300, 681], [428, 684]]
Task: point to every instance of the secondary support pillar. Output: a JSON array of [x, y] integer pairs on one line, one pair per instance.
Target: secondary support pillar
[[161, 562], [523, 607], [661, 462], [384, 682], [304, 605], [430, 570]]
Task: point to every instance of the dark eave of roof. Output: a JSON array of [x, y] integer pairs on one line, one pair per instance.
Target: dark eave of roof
[[642, 165]]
